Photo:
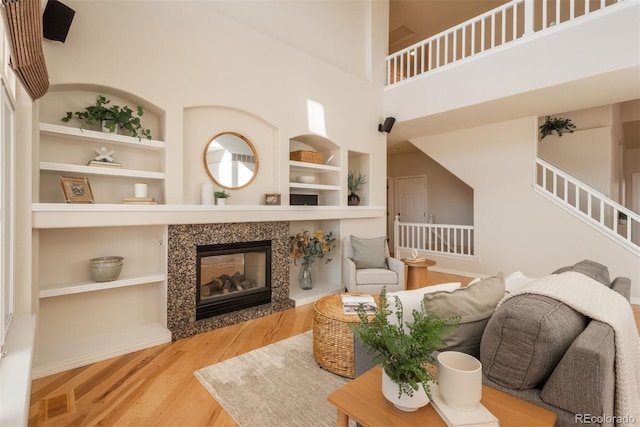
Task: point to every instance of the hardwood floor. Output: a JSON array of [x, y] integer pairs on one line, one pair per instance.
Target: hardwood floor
[[156, 387]]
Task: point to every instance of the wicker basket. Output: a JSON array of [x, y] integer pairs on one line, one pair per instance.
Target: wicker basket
[[332, 336], [306, 156]]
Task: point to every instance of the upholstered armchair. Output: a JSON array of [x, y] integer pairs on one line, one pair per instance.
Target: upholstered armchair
[[368, 267]]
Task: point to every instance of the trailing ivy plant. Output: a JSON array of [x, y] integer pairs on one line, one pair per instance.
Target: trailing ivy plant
[[555, 125], [111, 117], [403, 350]]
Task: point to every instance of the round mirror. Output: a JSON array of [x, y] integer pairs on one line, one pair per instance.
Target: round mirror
[[230, 160]]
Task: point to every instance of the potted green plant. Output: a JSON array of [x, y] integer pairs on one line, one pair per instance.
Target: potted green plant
[[555, 125], [111, 117], [355, 182], [221, 197], [404, 351]]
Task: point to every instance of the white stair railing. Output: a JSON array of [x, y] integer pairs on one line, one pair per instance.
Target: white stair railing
[[498, 27], [442, 239], [590, 205]]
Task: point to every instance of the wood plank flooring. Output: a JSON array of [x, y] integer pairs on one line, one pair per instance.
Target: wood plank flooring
[[156, 387]]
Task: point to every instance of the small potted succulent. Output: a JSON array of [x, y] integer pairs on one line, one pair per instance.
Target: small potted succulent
[[555, 125], [111, 118], [221, 197]]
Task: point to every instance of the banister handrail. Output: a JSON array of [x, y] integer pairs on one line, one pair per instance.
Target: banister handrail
[[442, 239], [579, 198]]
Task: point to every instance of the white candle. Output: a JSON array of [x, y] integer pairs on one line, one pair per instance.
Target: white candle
[[207, 193], [140, 190]]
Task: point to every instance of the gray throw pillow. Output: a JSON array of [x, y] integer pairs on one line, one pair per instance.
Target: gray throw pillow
[[526, 338], [369, 253], [591, 269], [474, 304]]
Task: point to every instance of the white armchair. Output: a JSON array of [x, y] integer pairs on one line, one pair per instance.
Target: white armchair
[[368, 267]]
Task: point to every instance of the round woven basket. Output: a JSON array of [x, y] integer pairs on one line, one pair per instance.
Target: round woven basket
[[332, 336]]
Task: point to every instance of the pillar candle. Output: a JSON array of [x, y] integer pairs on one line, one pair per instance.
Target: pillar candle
[[140, 190], [207, 193]]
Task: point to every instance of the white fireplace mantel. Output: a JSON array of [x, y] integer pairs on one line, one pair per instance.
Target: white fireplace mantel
[[57, 215]]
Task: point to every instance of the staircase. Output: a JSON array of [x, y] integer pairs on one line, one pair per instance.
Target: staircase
[[589, 205]]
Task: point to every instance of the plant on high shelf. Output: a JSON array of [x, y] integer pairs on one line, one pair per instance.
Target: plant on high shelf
[[221, 196], [355, 182], [403, 350], [307, 247], [111, 117], [555, 125]]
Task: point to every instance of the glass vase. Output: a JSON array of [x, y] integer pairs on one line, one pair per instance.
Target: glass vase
[[305, 277]]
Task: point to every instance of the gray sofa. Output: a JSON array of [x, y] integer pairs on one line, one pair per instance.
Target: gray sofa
[[554, 356]]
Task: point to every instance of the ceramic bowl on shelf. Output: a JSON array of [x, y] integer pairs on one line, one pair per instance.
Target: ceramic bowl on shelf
[[305, 179], [106, 268]]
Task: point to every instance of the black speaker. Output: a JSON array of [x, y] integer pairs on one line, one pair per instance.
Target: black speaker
[[387, 125], [303, 199], [56, 20]]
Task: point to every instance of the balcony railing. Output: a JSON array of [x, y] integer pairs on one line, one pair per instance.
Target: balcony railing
[[441, 239], [503, 25]]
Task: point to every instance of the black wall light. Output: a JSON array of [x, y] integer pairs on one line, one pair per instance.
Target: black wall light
[[387, 125], [56, 20]]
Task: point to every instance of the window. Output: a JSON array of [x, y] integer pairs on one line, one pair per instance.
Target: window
[[7, 213]]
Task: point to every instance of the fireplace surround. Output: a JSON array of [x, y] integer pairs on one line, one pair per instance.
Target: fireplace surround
[[183, 241]]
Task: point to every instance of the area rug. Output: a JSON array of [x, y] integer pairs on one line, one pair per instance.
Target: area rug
[[277, 385]]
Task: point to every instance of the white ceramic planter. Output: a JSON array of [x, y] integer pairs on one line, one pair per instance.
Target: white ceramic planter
[[404, 402], [459, 380], [221, 202]]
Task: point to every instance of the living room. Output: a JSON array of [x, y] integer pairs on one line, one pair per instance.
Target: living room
[[261, 69]]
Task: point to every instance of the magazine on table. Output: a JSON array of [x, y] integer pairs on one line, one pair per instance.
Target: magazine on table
[[350, 303]]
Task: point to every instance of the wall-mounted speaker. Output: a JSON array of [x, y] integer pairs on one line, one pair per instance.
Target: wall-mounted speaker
[[56, 20], [387, 125]]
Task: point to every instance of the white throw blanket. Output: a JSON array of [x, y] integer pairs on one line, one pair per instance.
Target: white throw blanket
[[594, 300]]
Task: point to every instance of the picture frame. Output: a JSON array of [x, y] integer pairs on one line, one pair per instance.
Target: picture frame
[[272, 199], [76, 189]]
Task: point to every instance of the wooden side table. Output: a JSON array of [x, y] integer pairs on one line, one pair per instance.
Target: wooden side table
[[417, 272], [362, 401]]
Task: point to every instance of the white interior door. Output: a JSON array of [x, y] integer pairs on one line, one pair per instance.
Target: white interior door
[[390, 211], [411, 198]]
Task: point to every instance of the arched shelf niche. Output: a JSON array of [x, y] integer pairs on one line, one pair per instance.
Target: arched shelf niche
[[314, 179]]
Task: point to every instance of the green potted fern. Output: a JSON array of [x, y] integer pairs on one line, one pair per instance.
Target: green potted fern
[[404, 351], [555, 125], [355, 182], [111, 118]]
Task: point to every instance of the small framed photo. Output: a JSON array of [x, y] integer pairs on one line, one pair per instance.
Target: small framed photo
[[272, 199], [76, 190]]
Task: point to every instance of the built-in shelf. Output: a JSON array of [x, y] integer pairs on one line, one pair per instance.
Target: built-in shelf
[[297, 166], [322, 187], [61, 215], [96, 347], [98, 286], [99, 170], [106, 137]]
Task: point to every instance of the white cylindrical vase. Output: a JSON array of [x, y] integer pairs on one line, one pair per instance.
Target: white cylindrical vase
[[140, 190], [206, 193], [459, 380]]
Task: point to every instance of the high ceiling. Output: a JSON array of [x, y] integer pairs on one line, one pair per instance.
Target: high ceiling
[[411, 21]]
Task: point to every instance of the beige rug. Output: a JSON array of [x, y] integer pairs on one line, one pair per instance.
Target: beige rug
[[277, 385]]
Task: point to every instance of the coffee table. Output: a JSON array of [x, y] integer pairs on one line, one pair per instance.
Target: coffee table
[[362, 401], [332, 336]]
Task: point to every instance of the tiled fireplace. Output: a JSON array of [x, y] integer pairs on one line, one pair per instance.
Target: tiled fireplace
[[184, 269]]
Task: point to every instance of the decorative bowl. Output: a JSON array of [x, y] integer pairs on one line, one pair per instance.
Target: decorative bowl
[[106, 268], [306, 179]]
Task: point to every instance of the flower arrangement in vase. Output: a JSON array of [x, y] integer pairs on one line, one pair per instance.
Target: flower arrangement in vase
[[306, 248]]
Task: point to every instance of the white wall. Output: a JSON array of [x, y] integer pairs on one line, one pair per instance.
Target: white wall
[[517, 229], [181, 56], [449, 199]]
